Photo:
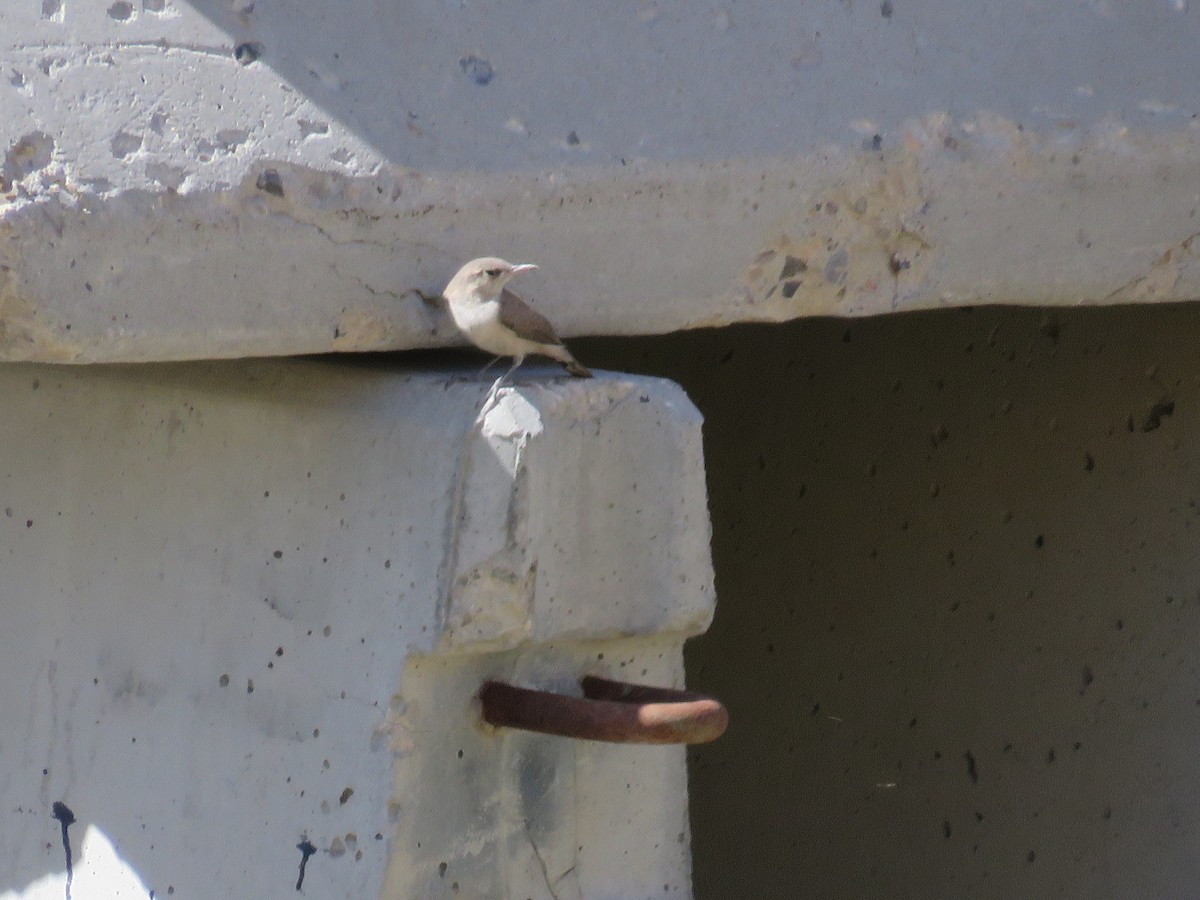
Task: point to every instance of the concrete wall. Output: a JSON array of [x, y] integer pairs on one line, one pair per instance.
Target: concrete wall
[[956, 556], [247, 607], [204, 178], [908, 578]]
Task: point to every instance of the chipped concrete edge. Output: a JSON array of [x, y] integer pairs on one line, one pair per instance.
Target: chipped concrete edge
[[295, 260]]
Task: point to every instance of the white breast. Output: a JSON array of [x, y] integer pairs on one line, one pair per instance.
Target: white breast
[[481, 323]]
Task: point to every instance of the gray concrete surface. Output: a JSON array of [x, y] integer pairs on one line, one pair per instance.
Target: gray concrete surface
[[247, 608], [956, 556], [226, 178]]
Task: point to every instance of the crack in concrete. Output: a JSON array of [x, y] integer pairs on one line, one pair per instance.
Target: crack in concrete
[[458, 489], [371, 289], [1163, 259], [366, 242], [223, 52], [542, 864], [578, 807]]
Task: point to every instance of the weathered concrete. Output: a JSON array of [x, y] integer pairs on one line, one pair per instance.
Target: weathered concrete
[[530, 816], [247, 607], [202, 179]]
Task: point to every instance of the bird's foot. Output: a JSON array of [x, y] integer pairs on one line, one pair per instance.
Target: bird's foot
[[493, 396]]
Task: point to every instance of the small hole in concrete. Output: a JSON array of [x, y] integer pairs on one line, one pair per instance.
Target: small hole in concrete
[[249, 52]]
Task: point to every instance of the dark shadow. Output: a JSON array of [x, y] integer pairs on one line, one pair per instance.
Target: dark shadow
[[956, 586]]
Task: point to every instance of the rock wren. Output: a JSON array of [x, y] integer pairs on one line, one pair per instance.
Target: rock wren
[[496, 320]]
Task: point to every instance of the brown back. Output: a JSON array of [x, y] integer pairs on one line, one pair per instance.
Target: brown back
[[527, 322]]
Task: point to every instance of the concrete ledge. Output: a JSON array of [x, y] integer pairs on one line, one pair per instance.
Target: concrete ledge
[[557, 532], [207, 179], [957, 214]]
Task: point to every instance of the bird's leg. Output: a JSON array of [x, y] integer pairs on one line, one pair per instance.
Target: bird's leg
[[516, 365], [491, 362], [494, 393]]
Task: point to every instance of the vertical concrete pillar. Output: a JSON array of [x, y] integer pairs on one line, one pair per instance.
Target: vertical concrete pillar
[[247, 607]]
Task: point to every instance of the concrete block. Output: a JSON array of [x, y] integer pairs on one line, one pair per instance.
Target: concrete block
[[236, 631], [588, 546]]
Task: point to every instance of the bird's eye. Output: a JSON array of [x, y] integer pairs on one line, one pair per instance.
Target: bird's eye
[[493, 273]]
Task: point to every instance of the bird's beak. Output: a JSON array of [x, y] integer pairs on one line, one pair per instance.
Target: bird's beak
[[523, 267]]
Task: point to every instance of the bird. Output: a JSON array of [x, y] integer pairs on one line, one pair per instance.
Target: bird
[[495, 319]]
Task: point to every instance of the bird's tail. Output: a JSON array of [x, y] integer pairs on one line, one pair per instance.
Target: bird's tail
[[570, 363], [576, 368]]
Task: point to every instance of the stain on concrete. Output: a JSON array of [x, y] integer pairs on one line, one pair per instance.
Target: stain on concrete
[[478, 69], [23, 334], [26, 155], [861, 236], [1160, 279], [66, 818], [972, 767], [270, 182], [307, 850], [1153, 419], [356, 329]]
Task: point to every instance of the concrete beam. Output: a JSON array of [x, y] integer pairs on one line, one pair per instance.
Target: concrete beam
[[214, 179]]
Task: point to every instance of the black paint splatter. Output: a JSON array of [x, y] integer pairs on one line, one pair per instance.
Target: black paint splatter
[[306, 850], [66, 819], [1157, 413], [972, 770]]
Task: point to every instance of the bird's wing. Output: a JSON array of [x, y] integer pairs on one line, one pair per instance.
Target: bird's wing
[[527, 322]]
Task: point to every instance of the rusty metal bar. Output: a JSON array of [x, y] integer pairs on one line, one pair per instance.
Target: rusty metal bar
[[611, 711]]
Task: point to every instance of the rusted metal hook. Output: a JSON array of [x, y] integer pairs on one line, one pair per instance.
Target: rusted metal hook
[[612, 711]]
